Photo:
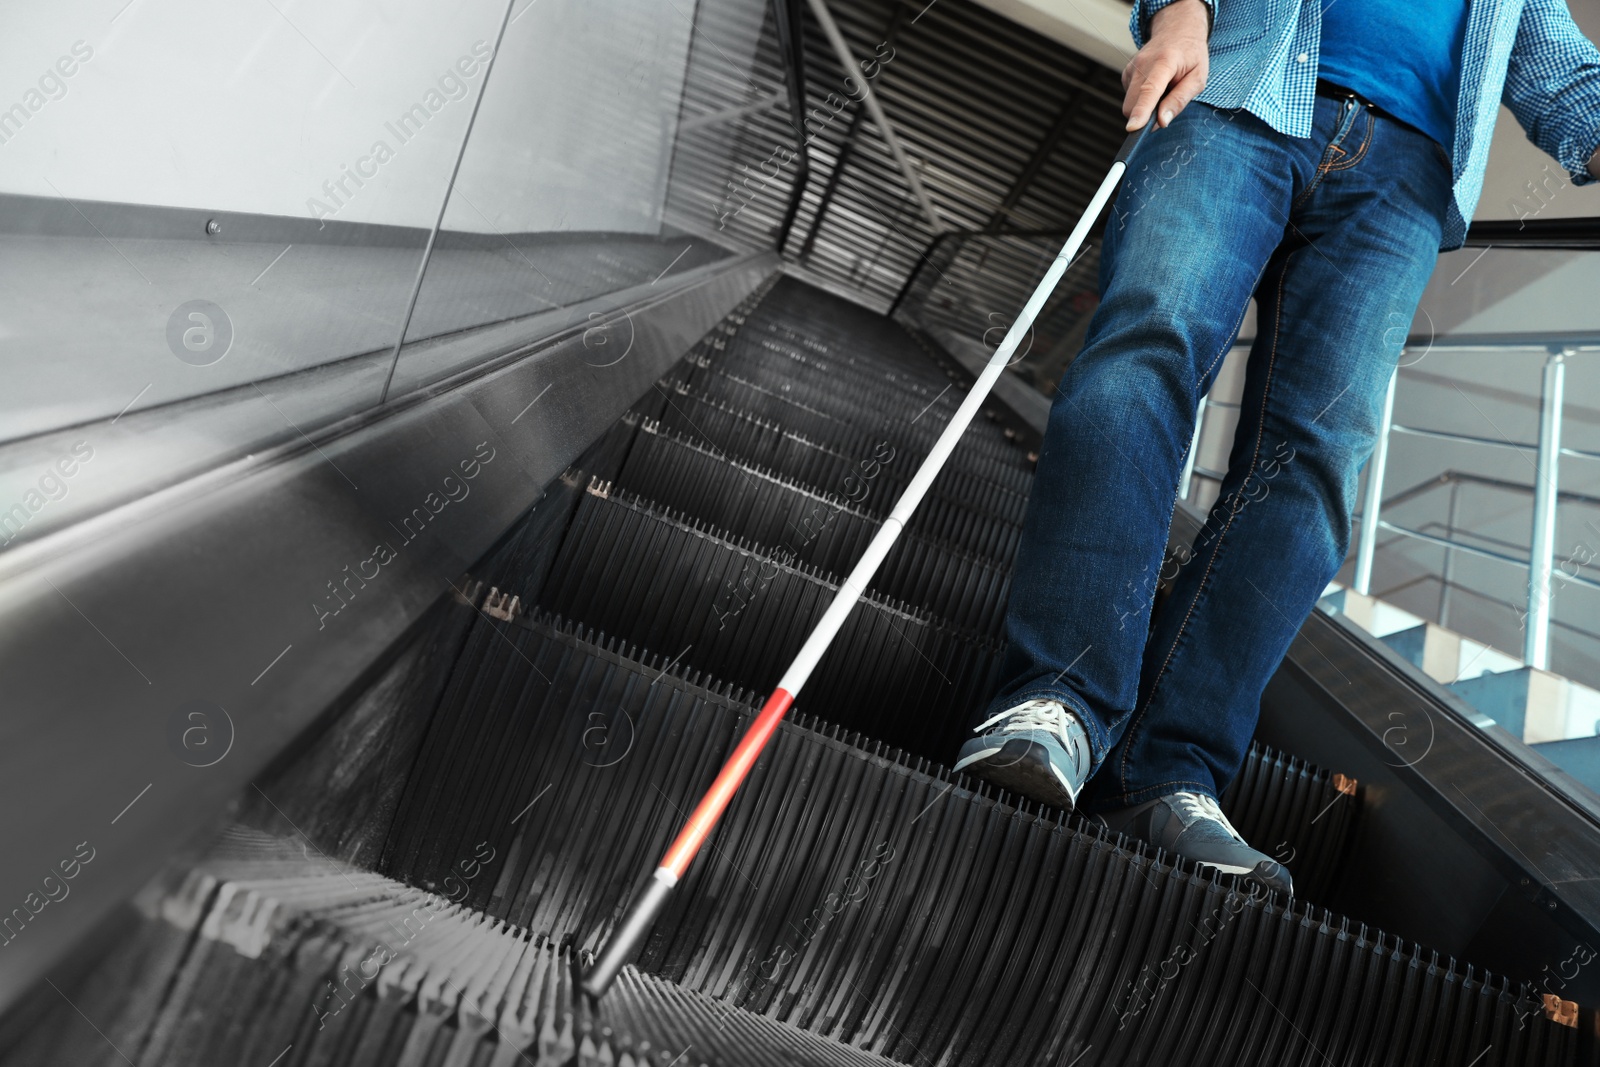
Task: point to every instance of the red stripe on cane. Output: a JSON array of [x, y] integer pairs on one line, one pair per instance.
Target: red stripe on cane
[[709, 810]]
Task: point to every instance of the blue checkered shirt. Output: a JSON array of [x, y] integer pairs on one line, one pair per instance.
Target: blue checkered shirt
[[1528, 53]]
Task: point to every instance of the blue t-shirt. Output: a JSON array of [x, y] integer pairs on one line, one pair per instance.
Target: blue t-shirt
[[1403, 55]]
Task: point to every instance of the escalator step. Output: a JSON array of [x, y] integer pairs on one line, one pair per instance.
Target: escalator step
[[960, 479], [656, 580], [342, 967], [1272, 793], [840, 465], [880, 409], [821, 529], [892, 906], [764, 352]]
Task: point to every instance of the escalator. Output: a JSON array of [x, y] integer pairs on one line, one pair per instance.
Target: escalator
[[422, 882]]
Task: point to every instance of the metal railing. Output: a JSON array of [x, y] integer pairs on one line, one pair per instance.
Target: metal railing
[[1547, 495], [1547, 462]]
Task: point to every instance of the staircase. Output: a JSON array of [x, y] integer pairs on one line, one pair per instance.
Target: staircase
[[1556, 717]]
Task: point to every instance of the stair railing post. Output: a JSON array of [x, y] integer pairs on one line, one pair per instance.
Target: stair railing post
[[1541, 553], [1447, 577], [1372, 504], [1184, 483]]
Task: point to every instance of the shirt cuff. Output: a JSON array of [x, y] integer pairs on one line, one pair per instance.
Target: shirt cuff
[[1146, 10], [1581, 176]]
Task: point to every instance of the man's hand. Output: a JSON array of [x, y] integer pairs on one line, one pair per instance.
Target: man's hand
[[1594, 163], [1170, 70]]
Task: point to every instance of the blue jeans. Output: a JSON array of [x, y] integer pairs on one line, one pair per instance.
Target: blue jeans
[[1335, 235]]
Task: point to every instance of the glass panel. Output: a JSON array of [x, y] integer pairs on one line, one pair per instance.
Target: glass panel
[[1458, 498], [1510, 294], [603, 143]]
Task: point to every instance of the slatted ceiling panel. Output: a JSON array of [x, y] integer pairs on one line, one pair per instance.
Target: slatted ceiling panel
[[711, 152], [997, 104], [868, 194], [1068, 171], [996, 108], [993, 276], [971, 96]]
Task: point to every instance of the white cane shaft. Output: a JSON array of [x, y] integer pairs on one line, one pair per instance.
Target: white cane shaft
[[852, 588]]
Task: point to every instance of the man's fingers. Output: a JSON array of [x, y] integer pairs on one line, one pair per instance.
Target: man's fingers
[[1146, 92], [1181, 95]]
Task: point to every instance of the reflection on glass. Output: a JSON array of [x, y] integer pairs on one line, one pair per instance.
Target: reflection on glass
[[598, 120]]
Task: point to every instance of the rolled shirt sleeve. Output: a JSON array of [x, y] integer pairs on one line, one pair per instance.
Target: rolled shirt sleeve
[[1553, 86]]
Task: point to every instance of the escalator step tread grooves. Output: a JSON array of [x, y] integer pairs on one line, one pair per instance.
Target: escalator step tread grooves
[[363, 970], [838, 410], [844, 397], [837, 467], [970, 476], [878, 904], [895, 672], [825, 530]]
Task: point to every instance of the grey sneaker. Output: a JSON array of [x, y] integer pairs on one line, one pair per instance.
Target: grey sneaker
[[1037, 749], [1192, 825]]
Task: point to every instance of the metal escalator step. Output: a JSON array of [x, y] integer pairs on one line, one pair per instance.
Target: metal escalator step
[[823, 530], [764, 351], [655, 579], [982, 482], [955, 482], [296, 960], [919, 386], [839, 465], [1293, 811], [876, 406], [885, 417], [819, 339], [893, 906]]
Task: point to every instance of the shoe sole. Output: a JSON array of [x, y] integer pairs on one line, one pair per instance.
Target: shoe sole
[[1268, 874], [1024, 768]]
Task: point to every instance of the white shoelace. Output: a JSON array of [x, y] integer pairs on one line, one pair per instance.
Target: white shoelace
[[1199, 806], [1047, 715]]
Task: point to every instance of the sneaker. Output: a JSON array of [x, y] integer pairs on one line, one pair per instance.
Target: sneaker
[[1037, 749], [1192, 825]]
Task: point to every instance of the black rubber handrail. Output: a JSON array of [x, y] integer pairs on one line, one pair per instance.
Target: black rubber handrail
[[1581, 234]]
